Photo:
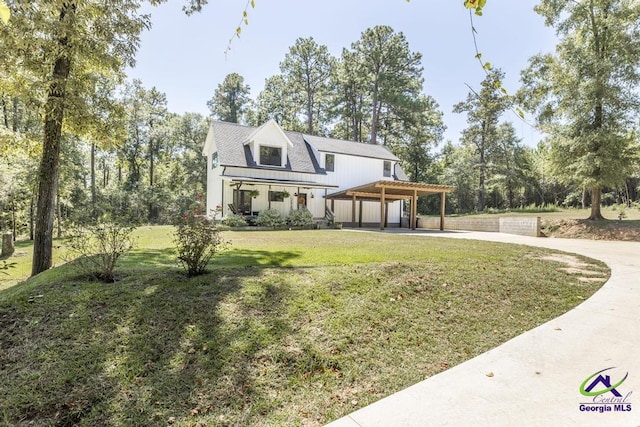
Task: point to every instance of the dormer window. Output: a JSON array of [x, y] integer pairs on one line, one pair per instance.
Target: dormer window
[[270, 156]]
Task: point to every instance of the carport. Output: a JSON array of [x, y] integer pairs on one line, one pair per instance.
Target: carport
[[390, 191]]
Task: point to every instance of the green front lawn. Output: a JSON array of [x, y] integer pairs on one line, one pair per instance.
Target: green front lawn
[[289, 328]]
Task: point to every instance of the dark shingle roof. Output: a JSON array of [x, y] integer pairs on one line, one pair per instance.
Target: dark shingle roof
[[230, 141], [340, 146]]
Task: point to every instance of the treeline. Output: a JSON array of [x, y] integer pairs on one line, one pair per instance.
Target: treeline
[[374, 93], [124, 154], [146, 168]]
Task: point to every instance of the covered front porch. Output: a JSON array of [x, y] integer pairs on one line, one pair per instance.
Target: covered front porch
[[385, 192], [248, 196]]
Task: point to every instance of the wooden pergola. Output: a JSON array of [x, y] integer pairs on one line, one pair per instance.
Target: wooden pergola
[[391, 191]]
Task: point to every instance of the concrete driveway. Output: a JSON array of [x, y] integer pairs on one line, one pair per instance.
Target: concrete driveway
[[535, 379]]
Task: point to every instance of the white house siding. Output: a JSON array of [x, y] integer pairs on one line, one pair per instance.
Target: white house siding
[[352, 168], [343, 209], [315, 204], [349, 172], [214, 186]]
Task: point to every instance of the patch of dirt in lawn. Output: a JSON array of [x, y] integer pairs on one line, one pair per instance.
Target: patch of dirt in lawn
[[626, 230], [578, 267]]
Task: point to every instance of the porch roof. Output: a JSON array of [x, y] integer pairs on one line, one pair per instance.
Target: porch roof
[[271, 181], [385, 191], [393, 190]]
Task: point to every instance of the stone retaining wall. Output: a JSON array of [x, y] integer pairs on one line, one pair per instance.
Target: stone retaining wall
[[525, 226]]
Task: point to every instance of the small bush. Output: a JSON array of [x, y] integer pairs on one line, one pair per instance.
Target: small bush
[[95, 249], [197, 240], [234, 220], [300, 218], [270, 218]]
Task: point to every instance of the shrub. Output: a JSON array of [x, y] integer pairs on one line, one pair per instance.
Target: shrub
[[95, 249], [197, 240], [234, 220], [300, 218], [270, 218]]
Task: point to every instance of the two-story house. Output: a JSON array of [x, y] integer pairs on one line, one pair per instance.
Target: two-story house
[[251, 169]]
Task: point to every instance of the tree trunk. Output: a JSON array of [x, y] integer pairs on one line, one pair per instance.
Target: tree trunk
[[374, 116], [59, 215], [48, 171], [8, 247], [13, 218], [151, 216], [93, 180], [596, 214], [309, 112], [31, 216], [14, 118], [4, 113]]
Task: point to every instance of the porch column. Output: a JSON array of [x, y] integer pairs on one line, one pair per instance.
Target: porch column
[[360, 213], [386, 214], [442, 209], [298, 200], [414, 209], [269, 197], [382, 202], [325, 203], [353, 211], [222, 204]]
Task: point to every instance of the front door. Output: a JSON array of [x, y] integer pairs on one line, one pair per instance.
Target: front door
[[302, 200], [242, 200]]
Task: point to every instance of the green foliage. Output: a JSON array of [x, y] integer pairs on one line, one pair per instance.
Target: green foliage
[[53, 54], [230, 99], [585, 94], [483, 114], [95, 249], [197, 239], [300, 218], [306, 70], [477, 5], [390, 75], [270, 218], [5, 13], [274, 102], [234, 220]]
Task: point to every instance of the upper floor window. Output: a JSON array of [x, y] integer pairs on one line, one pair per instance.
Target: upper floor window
[[271, 156], [386, 171], [329, 162], [215, 161]]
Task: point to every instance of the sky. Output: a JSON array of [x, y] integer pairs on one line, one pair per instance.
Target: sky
[[184, 56]]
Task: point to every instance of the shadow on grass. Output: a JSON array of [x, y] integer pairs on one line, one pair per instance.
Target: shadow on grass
[[142, 350], [248, 257], [150, 257], [227, 258]]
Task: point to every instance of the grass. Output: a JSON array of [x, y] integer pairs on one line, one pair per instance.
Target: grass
[[290, 328]]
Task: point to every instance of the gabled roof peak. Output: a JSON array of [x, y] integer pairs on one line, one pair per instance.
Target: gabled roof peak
[[270, 126]]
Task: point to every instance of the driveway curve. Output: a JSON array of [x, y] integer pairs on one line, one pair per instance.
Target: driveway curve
[[535, 378]]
